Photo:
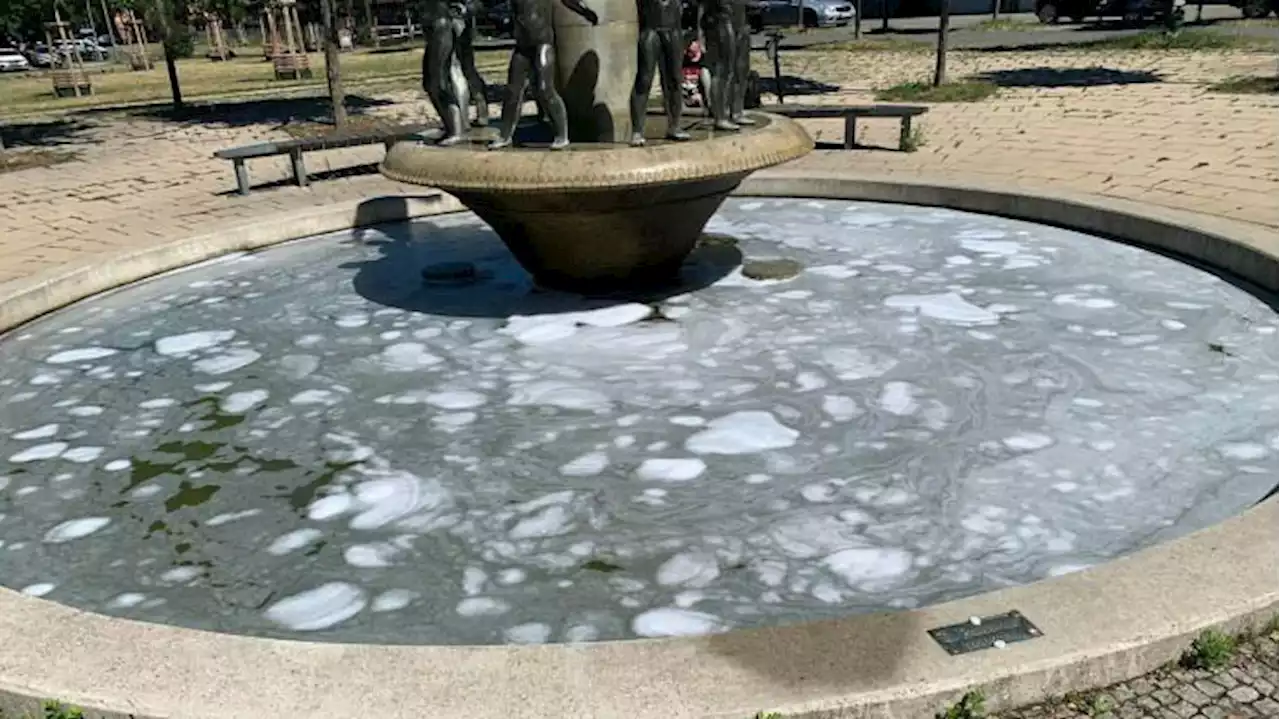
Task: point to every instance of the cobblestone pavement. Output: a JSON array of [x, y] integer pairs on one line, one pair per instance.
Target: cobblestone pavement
[[1154, 135], [1244, 690]]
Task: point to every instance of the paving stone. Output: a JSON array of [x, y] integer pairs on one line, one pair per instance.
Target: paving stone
[[1244, 695], [1191, 694], [1209, 689]]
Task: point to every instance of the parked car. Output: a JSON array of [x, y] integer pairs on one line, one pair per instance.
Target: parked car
[[493, 18], [814, 13], [12, 61], [1133, 12], [39, 56]]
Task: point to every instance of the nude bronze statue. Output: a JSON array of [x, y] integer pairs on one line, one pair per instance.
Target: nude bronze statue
[[661, 45], [535, 55], [741, 63], [718, 34], [449, 73]]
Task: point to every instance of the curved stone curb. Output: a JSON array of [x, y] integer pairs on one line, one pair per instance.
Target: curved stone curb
[[1101, 625]]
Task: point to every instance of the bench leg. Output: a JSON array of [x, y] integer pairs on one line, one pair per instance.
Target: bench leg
[[904, 134], [850, 132], [242, 177], [299, 169], [388, 144]]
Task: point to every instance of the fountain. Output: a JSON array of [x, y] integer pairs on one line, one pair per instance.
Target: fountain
[[603, 215]]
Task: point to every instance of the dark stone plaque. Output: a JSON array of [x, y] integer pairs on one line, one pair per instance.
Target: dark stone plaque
[[985, 633]]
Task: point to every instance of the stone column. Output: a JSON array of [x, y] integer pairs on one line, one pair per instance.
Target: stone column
[[596, 68]]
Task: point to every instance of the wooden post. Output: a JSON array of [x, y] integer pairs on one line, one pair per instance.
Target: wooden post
[[111, 31], [884, 17], [332, 71], [857, 20], [995, 10]]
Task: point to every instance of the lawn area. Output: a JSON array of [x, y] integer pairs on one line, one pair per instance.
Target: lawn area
[[32, 93]]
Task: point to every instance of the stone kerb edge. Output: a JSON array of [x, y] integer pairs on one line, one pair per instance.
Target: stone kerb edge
[[1103, 625]]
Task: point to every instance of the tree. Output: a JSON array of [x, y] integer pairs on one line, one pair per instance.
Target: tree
[[940, 65], [332, 72]]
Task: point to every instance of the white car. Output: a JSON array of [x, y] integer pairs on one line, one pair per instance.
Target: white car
[[12, 61]]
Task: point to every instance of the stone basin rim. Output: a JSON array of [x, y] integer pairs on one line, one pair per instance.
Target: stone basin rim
[[606, 169], [1102, 625]]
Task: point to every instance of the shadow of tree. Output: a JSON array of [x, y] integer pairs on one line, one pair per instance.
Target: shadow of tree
[[56, 133], [1067, 77], [796, 86], [242, 113]]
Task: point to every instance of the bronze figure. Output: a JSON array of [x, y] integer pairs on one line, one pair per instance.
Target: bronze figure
[[660, 44], [741, 63], [535, 54], [449, 73], [717, 31]]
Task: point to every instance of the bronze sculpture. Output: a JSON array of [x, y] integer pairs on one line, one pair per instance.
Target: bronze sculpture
[[449, 73], [717, 30], [535, 54], [661, 45], [741, 63]]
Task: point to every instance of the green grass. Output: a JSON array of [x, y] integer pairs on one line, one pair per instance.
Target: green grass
[[1212, 650], [876, 44], [970, 706], [965, 91], [914, 140], [1187, 39], [31, 93], [1247, 85], [50, 710]]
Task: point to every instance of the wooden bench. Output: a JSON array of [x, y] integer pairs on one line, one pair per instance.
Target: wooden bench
[[851, 115], [296, 148]]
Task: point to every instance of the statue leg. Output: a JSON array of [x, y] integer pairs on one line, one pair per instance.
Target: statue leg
[[646, 59], [670, 72], [467, 56], [721, 51], [544, 67], [437, 78], [517, 80], [741, 68]]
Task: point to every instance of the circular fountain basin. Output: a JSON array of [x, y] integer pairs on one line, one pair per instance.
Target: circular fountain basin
[[310, 442], [601, 216]]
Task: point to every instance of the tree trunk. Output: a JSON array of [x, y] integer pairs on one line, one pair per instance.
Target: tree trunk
[[857, 21], [331, 70], [166, 41], [373, 23], [884, 17], [995, 9], [944, 22]]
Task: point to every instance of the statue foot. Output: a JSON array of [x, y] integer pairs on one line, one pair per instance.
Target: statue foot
[[637, 140], [678, 135], [500, 143], [726, 126], [559, 143], [451, 140], [742, 120], [481, 121]]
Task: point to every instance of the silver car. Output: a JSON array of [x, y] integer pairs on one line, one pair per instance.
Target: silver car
[[813, 13], [12, 61]]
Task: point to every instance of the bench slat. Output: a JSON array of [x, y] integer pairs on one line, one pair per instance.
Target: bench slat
[[328, 142], [825, 111]]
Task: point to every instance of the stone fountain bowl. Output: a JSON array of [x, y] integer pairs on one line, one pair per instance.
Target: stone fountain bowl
[[600, 217]]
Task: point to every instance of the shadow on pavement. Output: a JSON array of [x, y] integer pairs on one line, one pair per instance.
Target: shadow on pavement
[[796, 86], [55, 133], [312, 176], [1067, 77], [242, 113]]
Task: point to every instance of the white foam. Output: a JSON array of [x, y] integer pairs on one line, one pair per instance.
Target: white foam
[[851, 363], [691, 569], [352, 320], [394, 495], [241, 402], [1243, 450], [1027, 441], [1092, 303], [675, 622], [185, 344], [393, 600], [158, 403], [83, 354], [945, 307], [862, 565], [564, 395], [87, 410], [319, 608], [38, 589], [83, 455], [38, 452], [743, 432], [835, 272], [212, 387], [228, 361], [670, 469], [983, 244], [407, 357], [552, 521], [455, 399], [315, 396], [181, 574], [292, 541], [298, 366], [840, 408], [898, 398], [529, 633], [482, 607], [587, 465], [370, 556], [126, 600], [41, 432], [330, 506], [227, 517], [117, 465], [75, 529]]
